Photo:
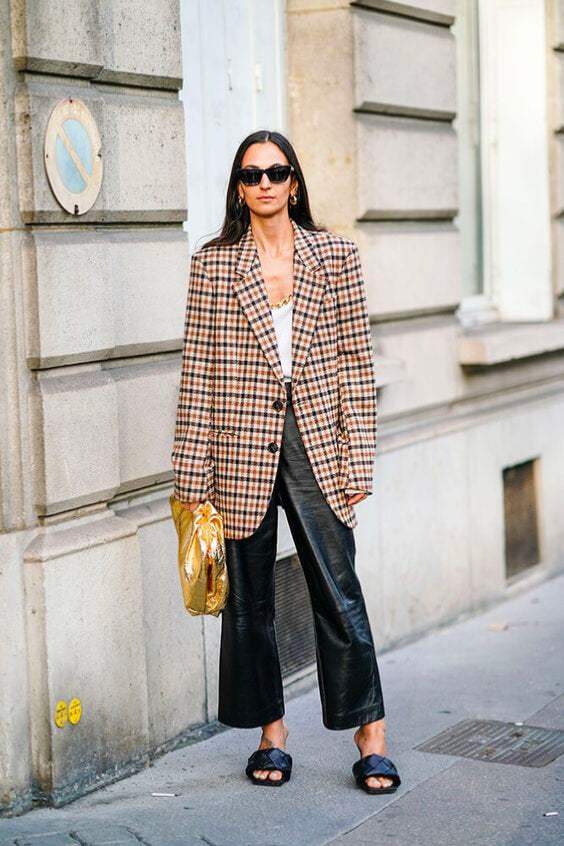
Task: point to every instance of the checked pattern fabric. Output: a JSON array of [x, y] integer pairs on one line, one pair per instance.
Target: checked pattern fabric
[[232, 396]]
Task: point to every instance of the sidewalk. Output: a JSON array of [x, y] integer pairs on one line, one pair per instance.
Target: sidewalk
[[473, 669]]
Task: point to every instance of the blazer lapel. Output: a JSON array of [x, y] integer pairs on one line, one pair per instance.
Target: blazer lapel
[[309, 284], [251, 291]]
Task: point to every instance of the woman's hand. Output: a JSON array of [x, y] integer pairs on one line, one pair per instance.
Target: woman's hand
[[190, 506], [353, 499]]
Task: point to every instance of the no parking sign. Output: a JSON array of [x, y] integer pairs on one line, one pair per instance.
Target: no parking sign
[[73, 156]]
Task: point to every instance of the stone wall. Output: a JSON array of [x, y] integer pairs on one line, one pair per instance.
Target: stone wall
[[92, 321]]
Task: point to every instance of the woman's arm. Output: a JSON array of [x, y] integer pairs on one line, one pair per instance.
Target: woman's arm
[[357, 383], [191, 460]]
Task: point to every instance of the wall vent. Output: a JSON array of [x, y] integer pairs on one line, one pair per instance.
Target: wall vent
[[295, 632], [521, 518]]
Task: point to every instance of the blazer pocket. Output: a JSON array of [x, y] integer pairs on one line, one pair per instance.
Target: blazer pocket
[[222, 434]]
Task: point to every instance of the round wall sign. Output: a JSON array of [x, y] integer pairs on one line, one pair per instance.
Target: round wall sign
[[73, 156]]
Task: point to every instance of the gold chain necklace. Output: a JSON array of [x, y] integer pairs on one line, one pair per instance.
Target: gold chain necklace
[[286, 299]]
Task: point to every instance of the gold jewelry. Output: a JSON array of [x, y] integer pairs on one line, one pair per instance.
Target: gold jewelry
[[286, 299], [293, 199]]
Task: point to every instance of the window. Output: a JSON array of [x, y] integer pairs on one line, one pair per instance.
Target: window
[[504, 169]]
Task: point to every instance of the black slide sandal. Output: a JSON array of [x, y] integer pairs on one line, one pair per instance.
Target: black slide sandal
[[270, 759], [376, 765]]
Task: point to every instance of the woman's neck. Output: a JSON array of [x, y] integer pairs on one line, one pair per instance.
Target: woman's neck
[[274, 237]]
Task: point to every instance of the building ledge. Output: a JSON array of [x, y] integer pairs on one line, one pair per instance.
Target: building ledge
[[388, 370], [496, 343]]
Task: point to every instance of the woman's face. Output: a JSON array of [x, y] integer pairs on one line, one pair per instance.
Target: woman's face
[[267, 198]]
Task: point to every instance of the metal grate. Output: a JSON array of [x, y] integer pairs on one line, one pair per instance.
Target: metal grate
[[521, 523], [498, 743], [294, 620]]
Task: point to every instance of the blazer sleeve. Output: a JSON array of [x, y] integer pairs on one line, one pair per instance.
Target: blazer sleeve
[[357, 378], [191, 458]]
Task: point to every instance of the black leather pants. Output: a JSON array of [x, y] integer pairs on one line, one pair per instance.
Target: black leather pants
[[250, 682]]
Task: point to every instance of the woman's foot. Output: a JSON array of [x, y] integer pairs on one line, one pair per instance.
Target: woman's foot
[[370, 738], [273, 734]]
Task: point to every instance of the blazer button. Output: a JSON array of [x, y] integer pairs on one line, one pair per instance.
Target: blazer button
[[278, 405], [272, 446]]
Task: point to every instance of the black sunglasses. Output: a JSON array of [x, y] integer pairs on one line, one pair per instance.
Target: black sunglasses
[[253, 175]]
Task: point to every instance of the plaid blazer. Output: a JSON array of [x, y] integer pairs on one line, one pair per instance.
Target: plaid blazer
[[232, 398]]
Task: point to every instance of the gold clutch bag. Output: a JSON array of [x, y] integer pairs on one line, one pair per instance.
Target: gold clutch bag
[[201, 557]]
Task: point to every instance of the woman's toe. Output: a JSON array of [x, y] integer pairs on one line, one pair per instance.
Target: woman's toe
[[275, 775], [376, 781]]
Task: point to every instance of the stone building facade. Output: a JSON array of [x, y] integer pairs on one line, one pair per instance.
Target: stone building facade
[[426, 138], [432, 134]]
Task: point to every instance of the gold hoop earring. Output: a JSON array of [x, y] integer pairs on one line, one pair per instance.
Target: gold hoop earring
[[241, 201], [293, 199]]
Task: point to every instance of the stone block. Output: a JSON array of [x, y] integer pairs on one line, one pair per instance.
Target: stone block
[[142, 140], [558, 229], [85, 640], [421, 529], [406, 165], [75, 456], [432, 374], [15, 505], [174, 640], [548, 422], [15, 746], [426, 55], [98, 432], [558, 58], [69, 297], [411, 267], [558, 10], [146, 406], [388, 370], [489, 345], [57, 37], [212, 635], [559, 174], [321, 121], [141, 42], [125, 41], [103, 294]]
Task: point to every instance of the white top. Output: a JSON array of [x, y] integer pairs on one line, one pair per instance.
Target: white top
[[282, 318]]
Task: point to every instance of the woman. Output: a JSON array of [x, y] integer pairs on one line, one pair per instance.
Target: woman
[[277, 406]]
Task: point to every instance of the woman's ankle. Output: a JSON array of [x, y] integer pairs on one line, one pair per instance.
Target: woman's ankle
[[375, 727], [275, 734]]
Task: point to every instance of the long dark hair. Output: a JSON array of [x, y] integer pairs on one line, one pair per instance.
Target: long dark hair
[[237, 217]]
